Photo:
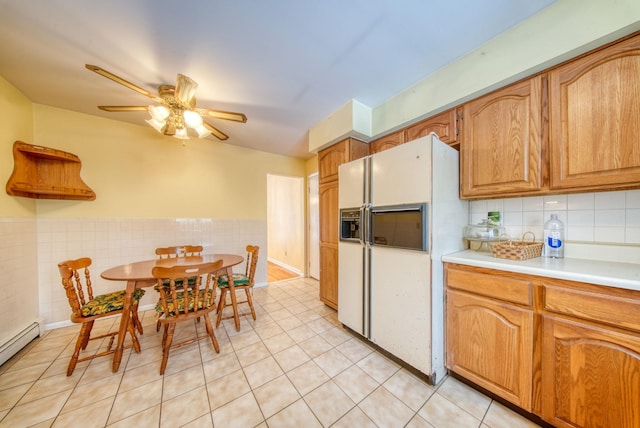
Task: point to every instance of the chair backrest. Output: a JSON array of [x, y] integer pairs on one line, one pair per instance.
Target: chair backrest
[[177, 296], [252, 262], [76, 284], [179, 251]]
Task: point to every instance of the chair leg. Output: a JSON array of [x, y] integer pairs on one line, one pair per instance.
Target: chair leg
[[132, 331], [85, 331], [166, 346], [221, 305], [83, 339], [250, 302], [214, 341]]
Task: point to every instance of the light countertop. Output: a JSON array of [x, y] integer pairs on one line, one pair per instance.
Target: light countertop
[[612, 274]]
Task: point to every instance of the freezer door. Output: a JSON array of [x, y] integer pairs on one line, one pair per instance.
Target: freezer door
[[351, 184], [401, 304], [402, 175], [351, 293]]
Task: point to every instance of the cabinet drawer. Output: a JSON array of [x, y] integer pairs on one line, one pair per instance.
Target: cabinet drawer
[[607, 308], [491, 285]]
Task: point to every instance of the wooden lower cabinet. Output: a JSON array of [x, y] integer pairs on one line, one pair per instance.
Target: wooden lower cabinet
[[329, 274], [590, 375], [566, 351]]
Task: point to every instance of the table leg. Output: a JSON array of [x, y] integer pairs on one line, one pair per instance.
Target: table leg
[[234, 300], [124, 321]]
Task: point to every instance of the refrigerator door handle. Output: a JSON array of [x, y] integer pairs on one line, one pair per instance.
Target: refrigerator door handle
[[366, 222], [363, 226]]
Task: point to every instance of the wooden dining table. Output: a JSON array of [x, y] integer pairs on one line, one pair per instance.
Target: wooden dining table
[[138, 275]]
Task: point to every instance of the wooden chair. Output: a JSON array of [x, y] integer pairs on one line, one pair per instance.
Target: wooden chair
[[181, 302], [240, 282], [86, 308], [175, 252]]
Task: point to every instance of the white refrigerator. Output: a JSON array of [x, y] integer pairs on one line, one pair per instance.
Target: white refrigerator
[[399, 213]]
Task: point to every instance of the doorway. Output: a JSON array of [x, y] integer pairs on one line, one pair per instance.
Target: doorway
[[285, 225]]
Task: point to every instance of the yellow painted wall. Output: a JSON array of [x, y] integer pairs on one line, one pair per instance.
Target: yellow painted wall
[[16, 113], [137, 172]]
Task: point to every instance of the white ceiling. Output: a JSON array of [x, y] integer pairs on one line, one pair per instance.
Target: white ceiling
[[286, 64]]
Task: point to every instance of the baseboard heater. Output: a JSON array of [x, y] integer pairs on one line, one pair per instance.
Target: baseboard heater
[[19, 341]]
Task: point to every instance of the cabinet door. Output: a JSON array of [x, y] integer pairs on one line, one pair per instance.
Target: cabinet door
[[590, 376], [444, 125], [503, 141], [330, 159], [329, 274], [328, 206], [386, 142], [491, 344], [595, 119]]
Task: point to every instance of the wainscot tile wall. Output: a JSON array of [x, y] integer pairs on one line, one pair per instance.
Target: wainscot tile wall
[[593, 221], [111, 242]]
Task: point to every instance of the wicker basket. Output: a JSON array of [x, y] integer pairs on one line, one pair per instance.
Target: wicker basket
[[514, 250]]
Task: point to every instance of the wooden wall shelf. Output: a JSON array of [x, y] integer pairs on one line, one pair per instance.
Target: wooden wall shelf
[[46, 173]]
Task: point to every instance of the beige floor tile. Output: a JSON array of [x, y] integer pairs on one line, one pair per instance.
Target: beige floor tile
[[296, 415], [442, 413], [378, 366], [315, 346], [307, 377], [309, 316], [275, 395], [136, 400], [88, 393], [302, 333], [418, 422], [35, 412], [242, 412], [60, 365], [179, 361], [412, 391], [34, 357], [320, 325], [356, 383], [329, 403], [336, 335], [100, 369], [268, 330], [289, 323], [262, 372], [219, 367], [227, 388], [354, 418], [9, 397], [90, 415], [252, 353], [149, 418], [13, 378], [184, 408], [465, 397], [291, 358], [203, 421], [279, 343], [332, 362], [385, 410], [354, 349], [244, 339], [137, 376], [49, 386], [182, 382], [499, 416]]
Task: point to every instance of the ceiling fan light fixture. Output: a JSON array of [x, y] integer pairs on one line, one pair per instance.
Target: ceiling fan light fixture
[[202, 131], [157, 125], [159, 113], [192, 119], [181, 133]]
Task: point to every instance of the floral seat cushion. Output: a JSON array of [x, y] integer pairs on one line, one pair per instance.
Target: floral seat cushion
[[190, 282], [203, 301], [238, 279], [109, 302]]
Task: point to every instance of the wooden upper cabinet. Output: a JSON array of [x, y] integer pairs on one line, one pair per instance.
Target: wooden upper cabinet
[[386, 142], [332, 157], [502, 149], [444, 125], [595, 119]]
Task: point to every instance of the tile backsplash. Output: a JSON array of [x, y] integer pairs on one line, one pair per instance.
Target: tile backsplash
[[590, 219]]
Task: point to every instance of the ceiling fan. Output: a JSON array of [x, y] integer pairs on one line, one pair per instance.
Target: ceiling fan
[[176, 111]]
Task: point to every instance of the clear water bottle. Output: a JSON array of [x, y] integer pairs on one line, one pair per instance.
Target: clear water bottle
[[554, 238]]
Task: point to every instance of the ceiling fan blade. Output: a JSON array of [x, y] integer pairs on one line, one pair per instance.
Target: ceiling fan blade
[[220, 114], [185, 91], [215, 131], [123, 82], [123, 108]]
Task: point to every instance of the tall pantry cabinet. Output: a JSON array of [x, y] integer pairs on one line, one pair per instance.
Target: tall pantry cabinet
[[329, 160]]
